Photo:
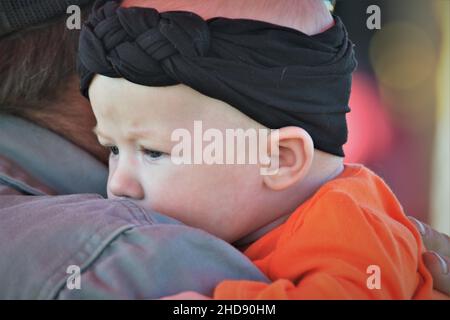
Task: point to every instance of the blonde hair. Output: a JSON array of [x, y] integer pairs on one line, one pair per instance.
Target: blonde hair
[[308, 16]]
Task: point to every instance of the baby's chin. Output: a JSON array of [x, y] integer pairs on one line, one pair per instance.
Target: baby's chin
[[221, 230]]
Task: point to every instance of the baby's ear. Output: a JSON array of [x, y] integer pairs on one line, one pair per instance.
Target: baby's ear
[[295, 155]]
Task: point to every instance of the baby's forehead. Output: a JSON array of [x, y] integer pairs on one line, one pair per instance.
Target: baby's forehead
[[121, 103]]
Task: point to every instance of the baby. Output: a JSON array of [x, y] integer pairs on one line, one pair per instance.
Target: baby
[[318, 228]]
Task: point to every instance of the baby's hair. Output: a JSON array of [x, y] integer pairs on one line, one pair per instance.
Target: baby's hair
[[308, 16]]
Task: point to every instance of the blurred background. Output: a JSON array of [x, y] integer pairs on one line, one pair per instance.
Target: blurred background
[[399, 124]]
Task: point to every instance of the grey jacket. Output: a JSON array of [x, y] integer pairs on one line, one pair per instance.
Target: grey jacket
[[82, 246]]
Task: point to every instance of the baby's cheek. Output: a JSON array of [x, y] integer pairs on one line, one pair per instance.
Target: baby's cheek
[[177, 193], [163, 191]]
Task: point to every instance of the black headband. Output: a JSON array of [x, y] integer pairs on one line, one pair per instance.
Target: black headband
[[277, 76]]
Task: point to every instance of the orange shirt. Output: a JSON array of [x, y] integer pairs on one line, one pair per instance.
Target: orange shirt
[[324, 249]]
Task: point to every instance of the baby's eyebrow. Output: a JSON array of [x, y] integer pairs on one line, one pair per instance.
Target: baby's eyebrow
[[154, 139], [132, 134], [139, 133]]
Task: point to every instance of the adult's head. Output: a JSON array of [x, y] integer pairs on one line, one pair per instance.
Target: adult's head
[[38, 69]]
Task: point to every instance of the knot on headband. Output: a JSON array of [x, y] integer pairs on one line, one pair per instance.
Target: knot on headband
[[276, 75], [132, 43]]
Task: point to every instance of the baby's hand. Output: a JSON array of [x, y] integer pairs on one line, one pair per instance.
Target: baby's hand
[[186, 295]]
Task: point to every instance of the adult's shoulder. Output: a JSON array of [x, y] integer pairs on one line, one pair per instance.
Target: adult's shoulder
[[121, 250]]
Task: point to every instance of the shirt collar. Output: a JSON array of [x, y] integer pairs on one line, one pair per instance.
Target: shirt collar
[[50, 158]]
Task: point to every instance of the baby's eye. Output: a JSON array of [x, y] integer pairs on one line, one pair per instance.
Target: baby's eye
[[153, 154], [114, 150]]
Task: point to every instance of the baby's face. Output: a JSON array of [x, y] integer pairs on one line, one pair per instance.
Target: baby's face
[[136, 122]]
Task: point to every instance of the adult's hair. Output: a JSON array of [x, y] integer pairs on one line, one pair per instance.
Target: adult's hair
[[36, 65]]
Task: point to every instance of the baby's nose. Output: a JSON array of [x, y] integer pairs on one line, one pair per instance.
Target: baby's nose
[[123, 182]]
